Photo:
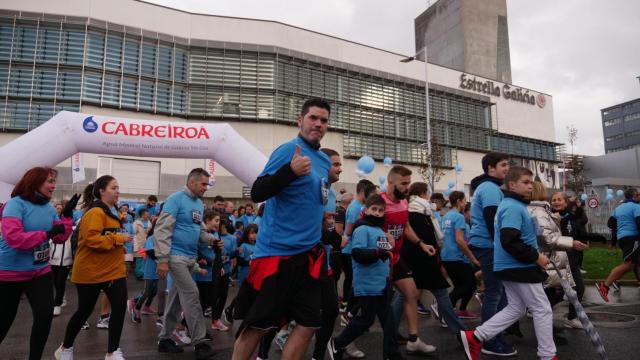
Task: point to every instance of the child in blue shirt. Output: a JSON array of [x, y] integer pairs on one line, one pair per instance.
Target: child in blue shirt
[[203, 275], [371, 252], [246, 248], [520, 266], [221, 282]]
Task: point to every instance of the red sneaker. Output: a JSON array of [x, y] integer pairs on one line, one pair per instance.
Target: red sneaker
[[472, 346], [465, 314], [603, 290]]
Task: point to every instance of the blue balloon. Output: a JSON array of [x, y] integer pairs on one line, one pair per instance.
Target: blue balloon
[[609, 197], [458, 168], [609, 191], [447, 192], [620, 193], [584, 197], [382, 179], [451, 184], [366, 164], [383, 188], [387, 161]]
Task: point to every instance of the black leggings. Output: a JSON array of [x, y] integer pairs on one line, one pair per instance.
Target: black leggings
[[205, 288], [329, 314], [60, 274], [464, 282], [116, 291], [39, 292], [345, 262], [220, 293], [150, 291]]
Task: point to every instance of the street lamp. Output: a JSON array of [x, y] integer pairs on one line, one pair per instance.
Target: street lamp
[[426, 109]]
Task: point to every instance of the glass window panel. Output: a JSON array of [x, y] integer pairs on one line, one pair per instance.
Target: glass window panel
[[111, 90], [249, 70], [40, 112], [95, 50], [215, 101], [44, 83], [198, 66], [149, 57], [165, 62], [248, 105], [69, 85], [20, 82], [197, 100], [231, 76], [17, 115], [48, 45], [72, 47], [231, 104], [6, 36], [131, 55], [179, 99], [129, 97], [181, 59], [147, 94], [4, 79], [92, 87], [266, 66], [317, 83], [163, 99], [113, 60], [24, 42], [265, 106]]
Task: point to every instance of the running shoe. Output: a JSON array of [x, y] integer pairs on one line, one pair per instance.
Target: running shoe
[[471, 345], [103, 323], [116, 355], [181, 336], [422, 310], [466, 314], [218, 325], [228, 316], [345, 319], [207, 313], [86, 326], [64, 302], [615, 286], [478, 297], [281, 339], [418, 347], [443, 323], [169, 346], [434, 309], [334, 352], [146, 310], [498, 348], [353, 352], [63, 354], [159, 322], [603, 290], [57, 310]]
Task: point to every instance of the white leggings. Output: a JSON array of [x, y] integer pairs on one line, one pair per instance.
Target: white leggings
[[520, 297]]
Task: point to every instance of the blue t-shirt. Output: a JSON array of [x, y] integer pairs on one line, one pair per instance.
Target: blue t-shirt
[[487, 194], [77, 214], [351, 216], [438, 217], [34, 218], [248, 250], [626, 215], [206, 252], [187, 211], [452, 222], [370, 279], [512, 214], [229, 252], [258, 221], [149, 268], [292, 219], [153, 210], [128, 226], [248, 219]]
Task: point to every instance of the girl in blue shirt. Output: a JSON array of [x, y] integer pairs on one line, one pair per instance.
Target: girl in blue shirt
[[245, 251]]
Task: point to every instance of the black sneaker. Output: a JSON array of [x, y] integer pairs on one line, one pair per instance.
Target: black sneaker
[[169, 346], [334, 352], [203, 351], [228, 316]]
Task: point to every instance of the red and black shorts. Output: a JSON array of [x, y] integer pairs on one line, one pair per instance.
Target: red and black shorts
[[630, 246], [279, 289], [401, 270]]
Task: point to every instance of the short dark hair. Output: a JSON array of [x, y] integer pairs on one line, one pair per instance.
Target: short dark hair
[[152, 198], [317, 102], [197, 172], [492, 159], [418, 188], [330, 152], [210, 215], [218, 198], [399, 170], [248, 205], [455, 197], [238, 224], [375, 199], [437, 196], [630, 193], [142, 211], [515, 173], [363, 185]]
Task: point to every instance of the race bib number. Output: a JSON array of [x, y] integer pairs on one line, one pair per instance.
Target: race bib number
[[383, 243], [41, 254], [396, 231], [196, 216]]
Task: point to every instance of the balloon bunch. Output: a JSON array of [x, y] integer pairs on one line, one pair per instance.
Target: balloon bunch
[[365, 166]]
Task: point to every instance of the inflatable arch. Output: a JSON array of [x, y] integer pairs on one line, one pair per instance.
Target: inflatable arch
[[68, 133]]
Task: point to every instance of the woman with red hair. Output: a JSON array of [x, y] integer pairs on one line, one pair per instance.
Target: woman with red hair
[[29, 220]]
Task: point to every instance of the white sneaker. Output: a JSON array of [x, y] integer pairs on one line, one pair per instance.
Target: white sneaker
[[353, 352], [57, 310], [418, 347], [103, 323], [63, 354], [64, 302], [116, 355], [434, 309], [572, 324], [181, 335]]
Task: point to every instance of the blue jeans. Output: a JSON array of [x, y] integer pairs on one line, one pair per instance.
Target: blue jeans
[[494, 298], [445, 308]]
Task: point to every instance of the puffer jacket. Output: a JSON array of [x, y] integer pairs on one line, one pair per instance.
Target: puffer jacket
[[552, 243], [60, 254]]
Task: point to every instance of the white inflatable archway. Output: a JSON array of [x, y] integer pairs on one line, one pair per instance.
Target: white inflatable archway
[[68, 133]]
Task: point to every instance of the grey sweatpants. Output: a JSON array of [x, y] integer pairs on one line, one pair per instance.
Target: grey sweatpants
[[520, 297], [183, 298]]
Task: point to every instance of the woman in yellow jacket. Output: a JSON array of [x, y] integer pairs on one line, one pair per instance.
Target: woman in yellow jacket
[[99, 266]]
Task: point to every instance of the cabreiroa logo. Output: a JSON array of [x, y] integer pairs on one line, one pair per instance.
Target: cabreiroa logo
[[541, 100], [89, 125]]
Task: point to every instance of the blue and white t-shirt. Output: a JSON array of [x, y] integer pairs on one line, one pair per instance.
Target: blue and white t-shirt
[[487, 194], [351, 216], [512, 214], [626, 215], [370, 279], [452, 222], [188, 213], [292, 219], [149, 268], [229, 252]]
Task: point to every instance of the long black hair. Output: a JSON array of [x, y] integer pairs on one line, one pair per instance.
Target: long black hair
[[92, 191]]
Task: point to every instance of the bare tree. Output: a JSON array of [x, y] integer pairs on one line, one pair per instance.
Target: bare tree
[[574, 168], [438, 159], [572, 135]]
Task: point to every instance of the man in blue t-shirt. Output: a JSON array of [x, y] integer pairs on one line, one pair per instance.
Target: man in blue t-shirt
[[249, 217], [288, 259], [486, 198], [151, 206], [178, 232], [625, 221]]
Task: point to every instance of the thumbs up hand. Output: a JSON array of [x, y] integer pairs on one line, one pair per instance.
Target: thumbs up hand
[[301, 165]]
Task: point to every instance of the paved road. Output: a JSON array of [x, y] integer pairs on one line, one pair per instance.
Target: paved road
[[619, 333]]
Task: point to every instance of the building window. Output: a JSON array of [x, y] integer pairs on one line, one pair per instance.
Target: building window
[[111, 90], [632, 117], [613, 122], [149, 51], [147, 95], [113, 59], [131, 56], [48, 45], [129, 93], [6, 38], [24, 43], [163, 100], [72, 47], [95, 50], [69, 85], [44, 83], [92, 88], [165, 62]]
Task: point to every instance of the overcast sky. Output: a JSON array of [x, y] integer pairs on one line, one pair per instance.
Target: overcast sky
[[585, 53]]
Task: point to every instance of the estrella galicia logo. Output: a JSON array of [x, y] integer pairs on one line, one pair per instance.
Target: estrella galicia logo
[[89, 125]]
